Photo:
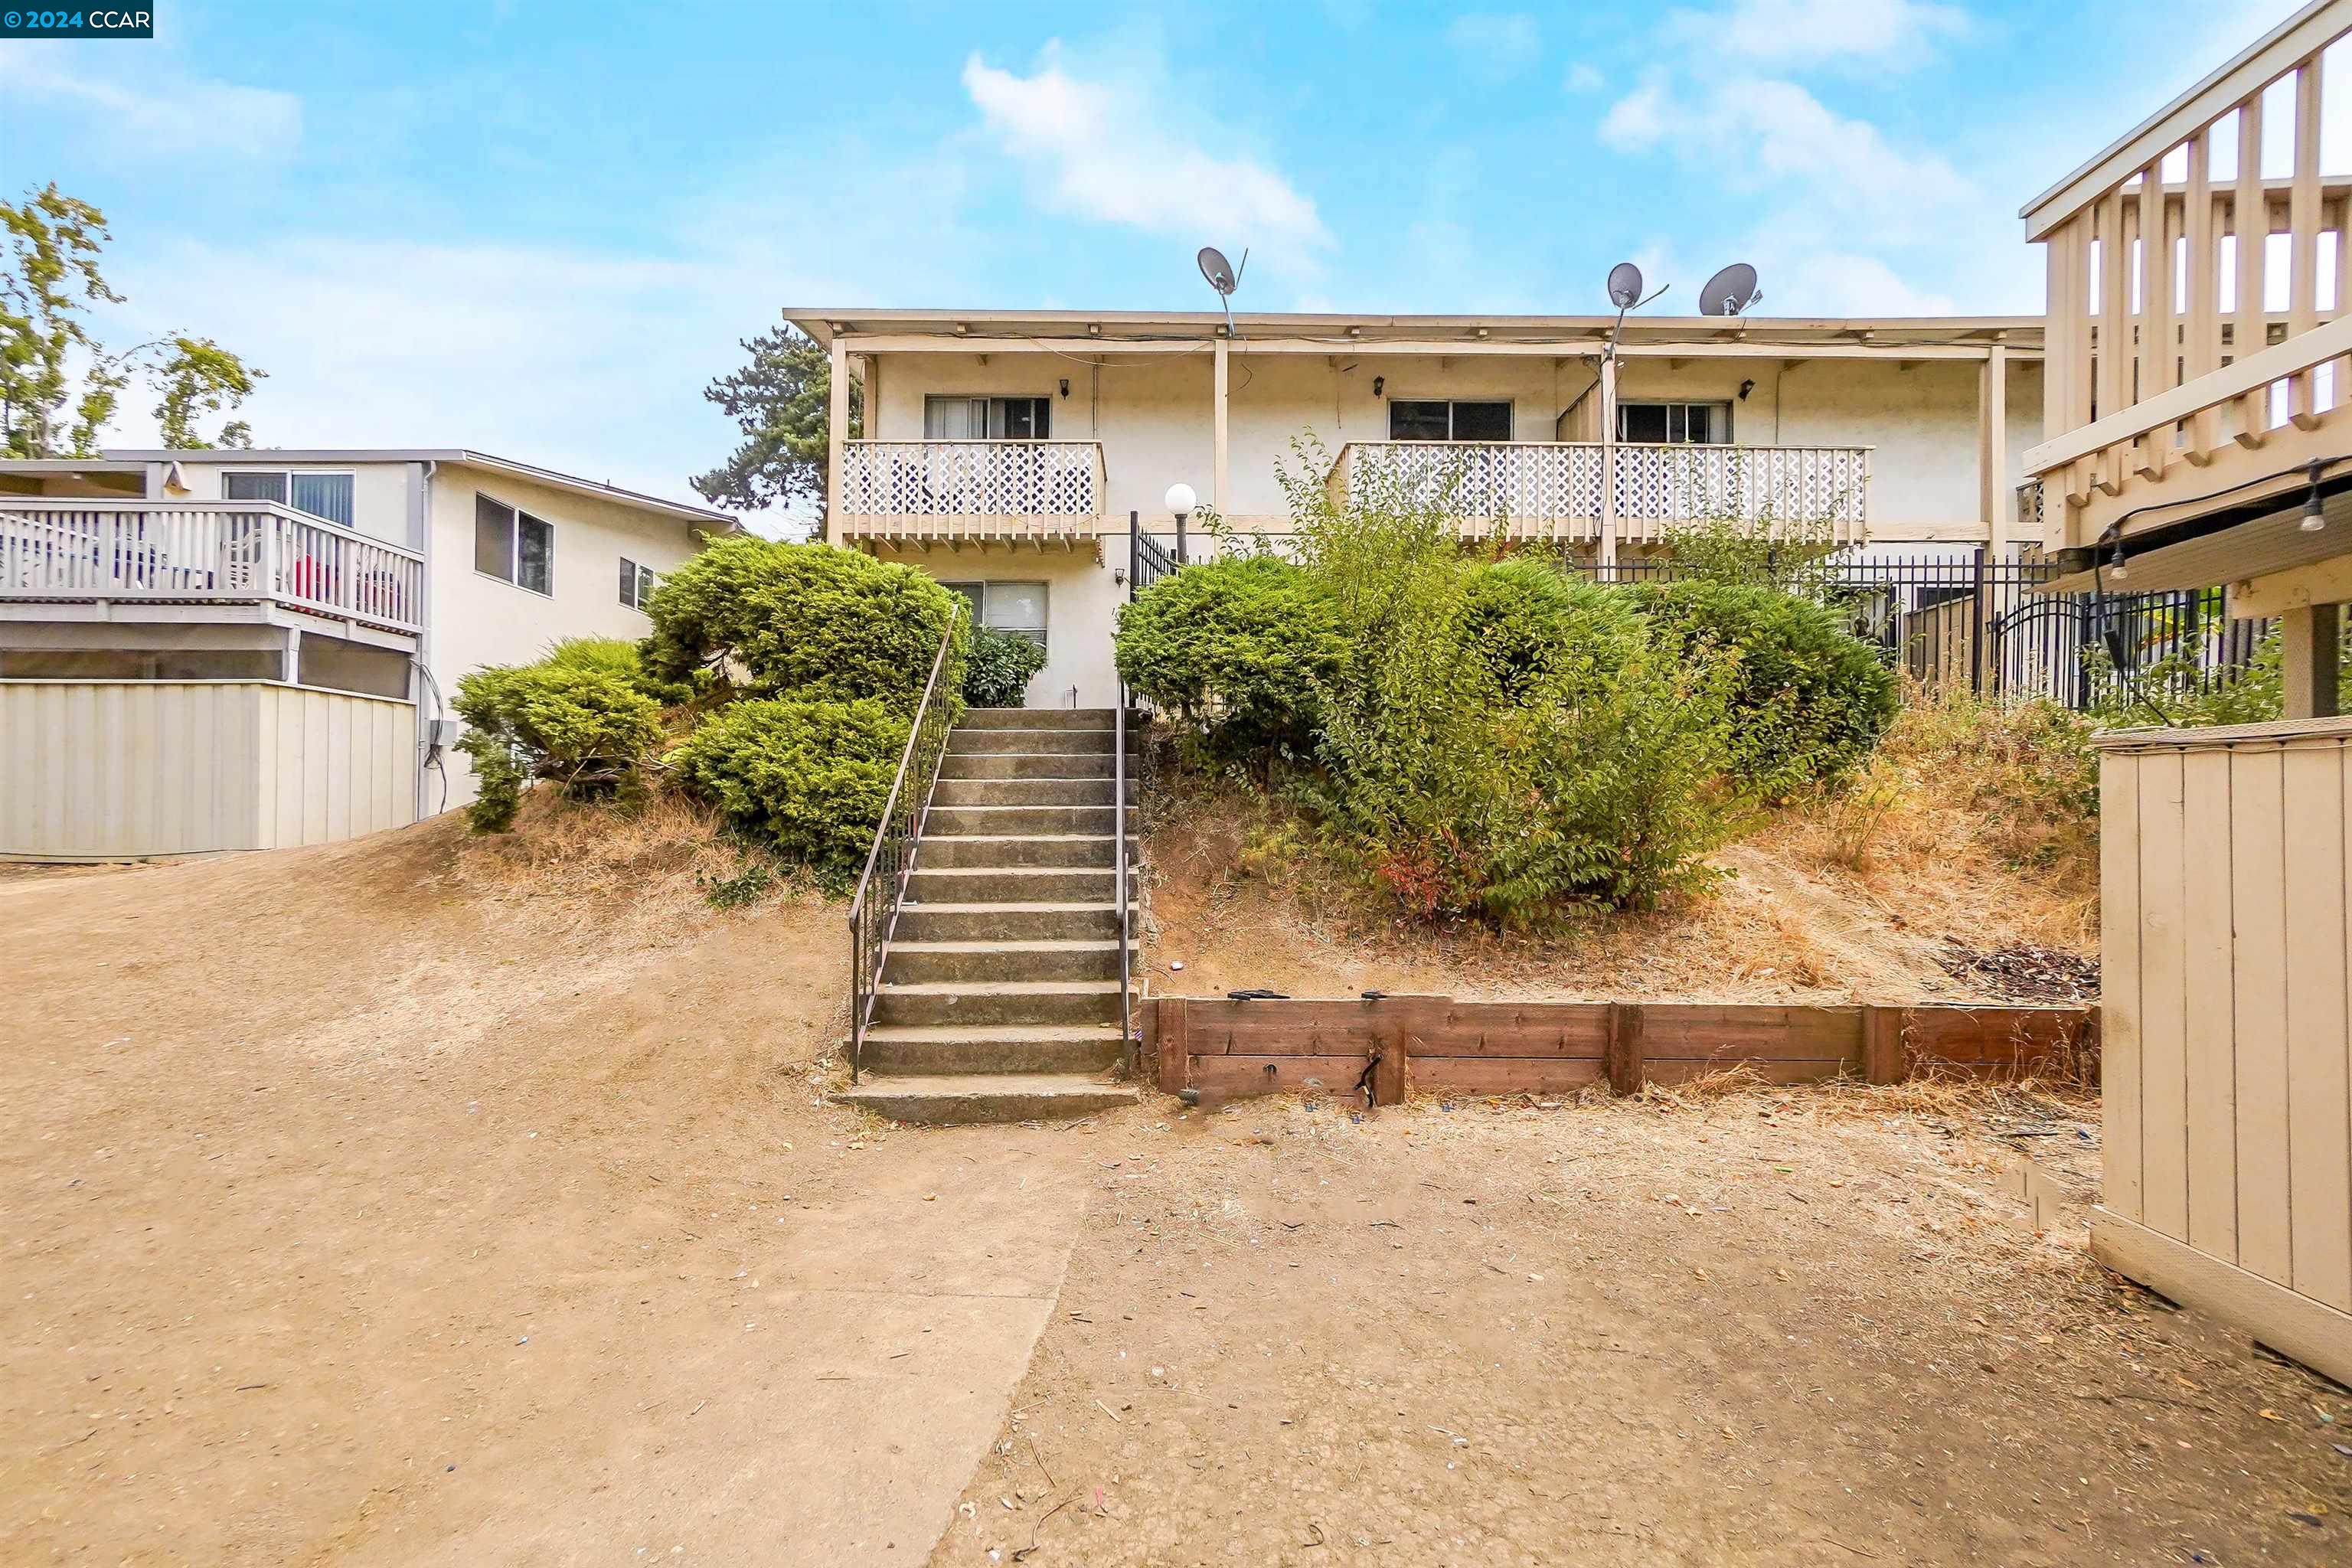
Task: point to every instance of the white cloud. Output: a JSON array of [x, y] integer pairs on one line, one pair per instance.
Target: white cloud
[[150, 115], [1815, 32], [1582, 76], [1496, 44], [1120, 152], [1756, 132]]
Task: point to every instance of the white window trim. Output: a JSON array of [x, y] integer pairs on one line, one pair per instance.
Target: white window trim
[[514, 539], [1044, 397], [640, 573], [1511, 404], [289, 473], [1725, 404]]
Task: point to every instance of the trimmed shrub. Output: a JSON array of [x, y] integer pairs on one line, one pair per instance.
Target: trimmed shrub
[[1235, 649], [575, 719], [1808, 700], [1538, 630], [997, 673], [807, 621], [808, 778], [618, 656]]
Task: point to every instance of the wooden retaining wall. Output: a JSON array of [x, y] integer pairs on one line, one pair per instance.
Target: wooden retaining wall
[[1435, 1044]]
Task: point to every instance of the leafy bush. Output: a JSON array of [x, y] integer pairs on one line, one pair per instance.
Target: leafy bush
[[807, 621], [997, 673], [576, 719], [809, 778], [1810, 699], [618, 656], [1497, 740], [1235, 649]]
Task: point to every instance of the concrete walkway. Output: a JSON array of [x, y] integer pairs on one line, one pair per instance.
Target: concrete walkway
[[898, 1322]]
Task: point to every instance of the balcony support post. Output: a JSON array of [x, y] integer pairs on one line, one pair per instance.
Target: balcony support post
[[1220, 451], [1992, 449], [2309, 635], [1608, 548], [836, 437]]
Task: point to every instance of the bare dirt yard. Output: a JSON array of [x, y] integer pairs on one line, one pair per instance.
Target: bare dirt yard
[[1769, 1327], [424, 1200], [417, 1200]]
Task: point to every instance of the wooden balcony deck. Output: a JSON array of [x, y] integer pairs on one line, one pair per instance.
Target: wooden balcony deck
[[984, 491]]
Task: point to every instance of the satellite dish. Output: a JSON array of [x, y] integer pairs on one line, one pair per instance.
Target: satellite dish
[[1217, 269], [1729, 291], [1625, 285]]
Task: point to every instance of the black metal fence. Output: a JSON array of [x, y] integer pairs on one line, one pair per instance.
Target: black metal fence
[[1149, 559], [1960, 621]]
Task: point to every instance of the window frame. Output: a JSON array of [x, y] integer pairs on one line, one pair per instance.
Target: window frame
[[287, 475], [1716, 407], [1044, 400], [1509, 406], [642, 580], [514, 545], [1041, 635]]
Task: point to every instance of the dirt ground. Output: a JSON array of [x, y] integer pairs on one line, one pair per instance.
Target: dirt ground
[[377, 1204], [1778, 1327], [424, 1201]]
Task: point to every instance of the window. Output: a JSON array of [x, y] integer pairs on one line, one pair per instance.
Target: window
[[987, 418], [1706, 424], [513, 546], [1436, 419], [327, 495], [1015, 607], [637, 583]]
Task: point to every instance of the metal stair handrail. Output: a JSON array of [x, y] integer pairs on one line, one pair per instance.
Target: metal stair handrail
[[874, 911]]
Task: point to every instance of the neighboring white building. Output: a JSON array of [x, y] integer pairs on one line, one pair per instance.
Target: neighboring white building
[[1005, 451], [255, 648]]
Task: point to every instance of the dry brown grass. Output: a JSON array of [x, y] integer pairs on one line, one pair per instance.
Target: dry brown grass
[[643, 869]]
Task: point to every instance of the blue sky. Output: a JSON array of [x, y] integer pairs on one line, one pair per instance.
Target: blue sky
[[539, 229]]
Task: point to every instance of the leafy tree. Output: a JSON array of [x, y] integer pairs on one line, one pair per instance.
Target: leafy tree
[[49, 278], [778, 400]]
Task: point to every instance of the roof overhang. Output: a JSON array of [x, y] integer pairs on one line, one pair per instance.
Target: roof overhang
[[1343, 330], [124, 461]]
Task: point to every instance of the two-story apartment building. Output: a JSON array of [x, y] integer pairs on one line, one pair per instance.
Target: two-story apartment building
[[1004, 452], [251, 650]]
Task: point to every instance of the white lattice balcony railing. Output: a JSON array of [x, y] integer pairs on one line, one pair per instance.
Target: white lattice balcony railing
[[197, 552], [1554, 489], [970, 489]]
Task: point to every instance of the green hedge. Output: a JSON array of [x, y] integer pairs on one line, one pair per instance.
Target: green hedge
[[998, 672], [808, 778], [807, 621], [1809, 700], [1536, 629], [579, 718], [1234, 650]]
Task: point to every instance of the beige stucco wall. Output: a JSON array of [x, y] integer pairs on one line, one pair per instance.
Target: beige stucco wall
[[479, 619], [379, 491], [1081, 602], [1152, 413]]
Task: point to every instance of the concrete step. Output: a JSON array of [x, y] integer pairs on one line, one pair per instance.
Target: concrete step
[[1024, 1002], [1044, 921], [929, 884], [955, 851], [1028, 792], [914, 963], [1043, 719], [987, 1096], [964, 743], [1027, 765], [1003, 819], [1000, 1049]]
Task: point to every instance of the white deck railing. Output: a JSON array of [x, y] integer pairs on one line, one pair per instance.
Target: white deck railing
[[193, 551], [1554, 489], [970, 489]]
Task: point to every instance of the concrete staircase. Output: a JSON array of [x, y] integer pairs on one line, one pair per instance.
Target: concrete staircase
[[1000, 994]]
